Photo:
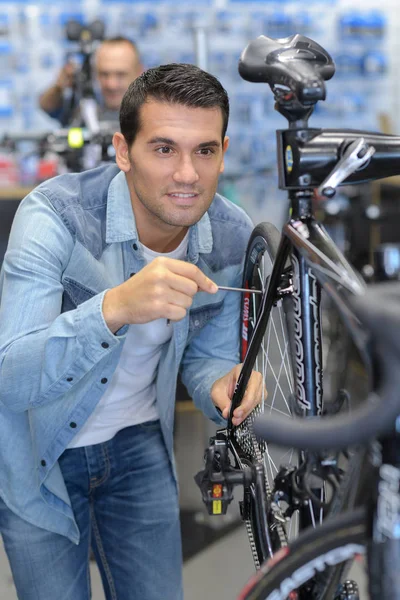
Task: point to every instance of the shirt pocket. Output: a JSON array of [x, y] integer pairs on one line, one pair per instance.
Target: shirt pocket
[[83, 278], [201, 315], [75, 293]]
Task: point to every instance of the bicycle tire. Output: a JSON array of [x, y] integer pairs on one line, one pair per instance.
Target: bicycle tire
[[291, 573], [262, 248]]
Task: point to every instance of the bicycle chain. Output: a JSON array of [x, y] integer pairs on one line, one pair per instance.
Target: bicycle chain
[[247, 440], [252, 544]]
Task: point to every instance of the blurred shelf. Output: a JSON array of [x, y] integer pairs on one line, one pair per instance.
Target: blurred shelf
[[14, 193]]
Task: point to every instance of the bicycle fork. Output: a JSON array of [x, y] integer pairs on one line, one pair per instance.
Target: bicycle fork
[[307, 363]]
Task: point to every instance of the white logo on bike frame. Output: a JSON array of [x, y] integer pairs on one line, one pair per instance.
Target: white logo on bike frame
[[298, 339], [317, 345]]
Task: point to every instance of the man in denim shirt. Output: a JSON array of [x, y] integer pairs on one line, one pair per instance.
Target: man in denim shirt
[[108, 288]]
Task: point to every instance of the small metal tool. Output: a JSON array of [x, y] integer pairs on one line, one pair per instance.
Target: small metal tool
[[235, 289], [232, 289]]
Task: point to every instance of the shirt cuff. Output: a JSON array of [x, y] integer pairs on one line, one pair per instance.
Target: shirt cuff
[[92, 329]]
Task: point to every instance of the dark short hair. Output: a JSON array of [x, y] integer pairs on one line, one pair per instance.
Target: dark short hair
[[176, 83]]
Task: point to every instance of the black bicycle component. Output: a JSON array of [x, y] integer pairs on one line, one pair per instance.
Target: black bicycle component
[[218, 478], [308, 347], [306, 156], [309, 482], [294, 67], [216, 483], [348, 591]]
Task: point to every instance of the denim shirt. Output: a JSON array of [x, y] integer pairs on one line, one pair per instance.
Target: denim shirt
[[73, 238]]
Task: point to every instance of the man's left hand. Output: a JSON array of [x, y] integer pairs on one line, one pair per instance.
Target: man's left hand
[[222, 392]]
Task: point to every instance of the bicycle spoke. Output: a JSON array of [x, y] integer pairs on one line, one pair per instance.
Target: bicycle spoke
[[273, 361]]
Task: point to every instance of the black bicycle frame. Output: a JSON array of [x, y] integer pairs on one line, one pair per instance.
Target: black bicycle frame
[[316, 257], [305, 158]]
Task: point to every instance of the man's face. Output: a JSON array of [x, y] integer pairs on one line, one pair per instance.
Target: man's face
[[173, 165], [117, 65]]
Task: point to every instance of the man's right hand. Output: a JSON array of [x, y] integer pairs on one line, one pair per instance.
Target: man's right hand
[[52, 99], [66, 76], [163, 289]]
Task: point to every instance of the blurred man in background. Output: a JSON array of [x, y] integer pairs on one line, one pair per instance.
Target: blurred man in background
[[116, 64]]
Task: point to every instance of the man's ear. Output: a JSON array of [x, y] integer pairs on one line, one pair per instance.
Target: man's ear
[[121, 152], [225, 146]]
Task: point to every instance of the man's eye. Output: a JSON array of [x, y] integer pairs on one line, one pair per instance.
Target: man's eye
[[206, 151], [164, 150]]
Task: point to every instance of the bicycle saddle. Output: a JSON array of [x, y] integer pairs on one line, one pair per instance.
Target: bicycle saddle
[[293, 66]]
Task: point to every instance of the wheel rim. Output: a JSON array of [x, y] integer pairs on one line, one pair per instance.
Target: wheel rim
[[273, 361]]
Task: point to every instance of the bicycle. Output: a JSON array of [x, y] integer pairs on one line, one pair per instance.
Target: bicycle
[[291, 269]]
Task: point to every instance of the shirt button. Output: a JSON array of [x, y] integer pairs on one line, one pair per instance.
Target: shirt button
[[73, 425], [197, 323], [104, 345], [70, 378], [43, 463], [104, 380], [135, 246]]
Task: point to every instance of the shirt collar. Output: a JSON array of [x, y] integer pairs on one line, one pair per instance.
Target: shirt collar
[[121, 224]]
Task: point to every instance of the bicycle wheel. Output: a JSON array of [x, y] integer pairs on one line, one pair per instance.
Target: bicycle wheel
[[311, 567], [297, 493], [275, 363]]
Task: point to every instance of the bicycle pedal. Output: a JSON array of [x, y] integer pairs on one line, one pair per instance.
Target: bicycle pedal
[[216, 496], [348, 591]]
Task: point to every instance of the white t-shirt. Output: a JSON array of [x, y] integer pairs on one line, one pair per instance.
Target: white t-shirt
[[131, 395]]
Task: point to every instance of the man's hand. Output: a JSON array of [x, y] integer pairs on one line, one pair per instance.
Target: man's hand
[[222, 392], [66, 76], [163, 289], [52, 98]]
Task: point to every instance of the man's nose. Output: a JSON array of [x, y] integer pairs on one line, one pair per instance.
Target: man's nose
[[186, 172], [112, 82]]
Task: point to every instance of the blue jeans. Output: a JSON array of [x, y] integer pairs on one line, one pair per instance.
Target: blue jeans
[[125, 502]]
